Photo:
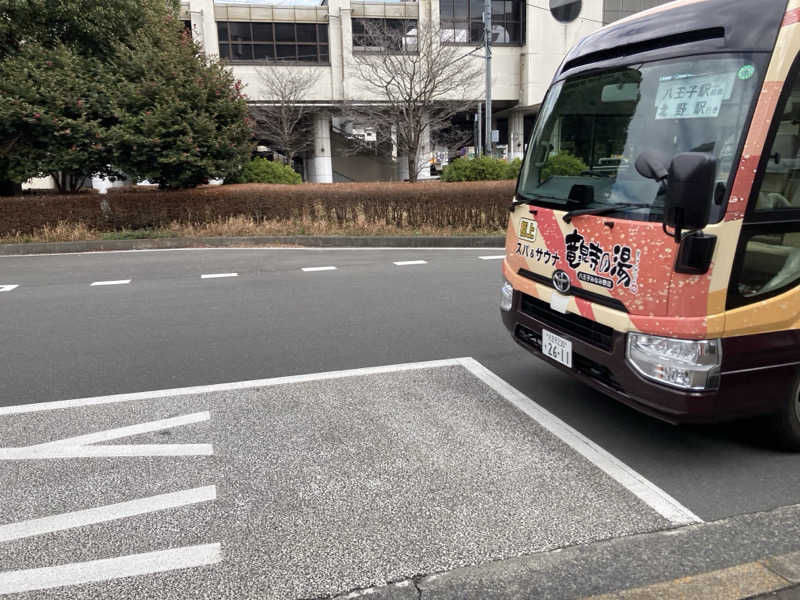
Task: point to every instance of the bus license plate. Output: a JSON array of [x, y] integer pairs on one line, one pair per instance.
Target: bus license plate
[[556, 347]]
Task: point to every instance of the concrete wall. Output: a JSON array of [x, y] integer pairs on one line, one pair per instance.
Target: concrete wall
[[548, 41]]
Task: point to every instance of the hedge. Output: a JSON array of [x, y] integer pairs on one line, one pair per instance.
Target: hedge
[[468, 205]]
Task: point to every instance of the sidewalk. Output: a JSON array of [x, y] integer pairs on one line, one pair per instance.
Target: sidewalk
[[742, 557]]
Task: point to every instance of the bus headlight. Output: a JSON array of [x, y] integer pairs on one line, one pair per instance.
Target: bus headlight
[[685, 364], [506, 296]]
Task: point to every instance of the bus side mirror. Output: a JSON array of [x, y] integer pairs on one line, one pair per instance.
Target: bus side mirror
[[690, 188], [688, 184]]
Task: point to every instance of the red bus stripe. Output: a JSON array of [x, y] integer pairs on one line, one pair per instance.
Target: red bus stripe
[[792, 17]]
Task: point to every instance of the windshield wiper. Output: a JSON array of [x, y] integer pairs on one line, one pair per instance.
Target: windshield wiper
[[597, 210], [527, 200]]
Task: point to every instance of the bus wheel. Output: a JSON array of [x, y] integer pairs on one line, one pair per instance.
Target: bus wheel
[[787, 422]]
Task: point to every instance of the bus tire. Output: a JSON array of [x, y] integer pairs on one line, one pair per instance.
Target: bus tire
[[787, 421]]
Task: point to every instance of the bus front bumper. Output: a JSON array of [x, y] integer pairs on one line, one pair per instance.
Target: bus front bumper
[[604, 367]]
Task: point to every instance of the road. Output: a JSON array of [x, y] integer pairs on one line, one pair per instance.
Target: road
[[87, 325]]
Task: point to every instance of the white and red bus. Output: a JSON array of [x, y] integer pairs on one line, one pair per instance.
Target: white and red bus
[[653, 249]]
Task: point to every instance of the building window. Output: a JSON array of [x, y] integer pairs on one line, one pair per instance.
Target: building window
[[462, 21], [384, 35], [290, 42]]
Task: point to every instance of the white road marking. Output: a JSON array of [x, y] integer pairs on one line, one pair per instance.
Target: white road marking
[[309, 269], [645, 490], [82, 446], [8, 288], [115, 282], [648, 492], [494, 257], [218, 275], [109, 568], [111, 451], [121, 432], [220, 387], [103, 514], [403, 263]]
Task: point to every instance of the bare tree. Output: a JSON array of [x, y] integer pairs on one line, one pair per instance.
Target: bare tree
[[413, 82], [284, 119]]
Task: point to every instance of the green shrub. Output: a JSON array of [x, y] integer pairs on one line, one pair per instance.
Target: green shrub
[[512, 168], [481, 168], [261, 170], [562, 163]]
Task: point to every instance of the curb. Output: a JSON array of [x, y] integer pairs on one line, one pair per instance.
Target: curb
[[752, 556], [331, 241]]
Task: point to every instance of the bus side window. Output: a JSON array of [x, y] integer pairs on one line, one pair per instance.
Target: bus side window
[[771, 264], [780, 187]]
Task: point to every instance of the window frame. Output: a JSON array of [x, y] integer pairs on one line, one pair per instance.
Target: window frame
[[369, 49], [322, 48], [448, 24], [737, 300]]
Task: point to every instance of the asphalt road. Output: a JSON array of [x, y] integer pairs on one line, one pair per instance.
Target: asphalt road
[[298, 489], [168, 327]]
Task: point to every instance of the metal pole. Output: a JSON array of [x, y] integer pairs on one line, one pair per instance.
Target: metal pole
[[478, 144], [487, 43]]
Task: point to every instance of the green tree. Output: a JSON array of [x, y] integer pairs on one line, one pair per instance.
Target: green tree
[[86, 84], [182, 117], [54, 113], [52, 46], [89, 27]]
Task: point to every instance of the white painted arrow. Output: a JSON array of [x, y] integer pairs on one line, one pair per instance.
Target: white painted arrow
[[86, 446]]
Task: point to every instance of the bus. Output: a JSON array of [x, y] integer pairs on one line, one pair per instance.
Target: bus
[[653, 244]]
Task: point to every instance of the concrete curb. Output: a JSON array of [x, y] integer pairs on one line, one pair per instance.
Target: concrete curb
[[746, 556], [331, 241]]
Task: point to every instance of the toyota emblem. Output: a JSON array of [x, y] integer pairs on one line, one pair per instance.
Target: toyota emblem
[[561, 281]]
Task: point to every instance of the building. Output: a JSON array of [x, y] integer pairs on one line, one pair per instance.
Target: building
[[530, 39]]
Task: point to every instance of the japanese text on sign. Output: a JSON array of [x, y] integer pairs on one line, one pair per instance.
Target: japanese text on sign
[[693, 96], [617, 264]]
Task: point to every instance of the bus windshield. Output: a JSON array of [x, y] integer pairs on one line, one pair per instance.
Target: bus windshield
[[591, 128]]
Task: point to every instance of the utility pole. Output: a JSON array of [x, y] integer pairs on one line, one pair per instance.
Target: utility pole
[[479, 127], [487, 45]]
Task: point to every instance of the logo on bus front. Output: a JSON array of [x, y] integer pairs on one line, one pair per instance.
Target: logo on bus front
[[527, 230]]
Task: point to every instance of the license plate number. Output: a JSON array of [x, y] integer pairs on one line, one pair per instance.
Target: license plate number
[[556, 347]]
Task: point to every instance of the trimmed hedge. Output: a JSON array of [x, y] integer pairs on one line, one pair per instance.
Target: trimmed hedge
[[473, 205]]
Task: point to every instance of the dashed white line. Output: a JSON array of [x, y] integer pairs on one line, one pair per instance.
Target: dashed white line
[[8, 288], [309, 269], [115, 282], [403, 263], [495, 257], [218, 275]]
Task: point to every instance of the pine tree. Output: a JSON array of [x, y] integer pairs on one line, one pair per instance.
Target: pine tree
[[55, 112], [181, 117]]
